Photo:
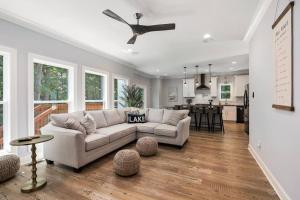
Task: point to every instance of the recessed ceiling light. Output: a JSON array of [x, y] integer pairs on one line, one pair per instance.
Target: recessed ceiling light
[[231, 68], [165, 74], [234, 62], [157, 70], [129, 50], [207, 36]]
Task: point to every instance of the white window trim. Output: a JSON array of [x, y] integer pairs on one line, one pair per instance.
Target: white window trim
[[72, 85], [231, 91], [113, 77], [10, 122], [100, 72]]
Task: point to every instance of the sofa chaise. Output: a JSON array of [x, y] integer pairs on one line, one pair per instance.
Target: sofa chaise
[[76, 149]]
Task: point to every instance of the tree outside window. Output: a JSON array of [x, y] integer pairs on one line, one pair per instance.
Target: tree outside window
[[225, 91], [94, 91]]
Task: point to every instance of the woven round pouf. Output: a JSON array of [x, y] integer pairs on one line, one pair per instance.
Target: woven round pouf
[[147, 146], [126, 162], [9, 166]]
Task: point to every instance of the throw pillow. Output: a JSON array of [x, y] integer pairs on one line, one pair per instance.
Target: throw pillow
[[99, 118], [175, 118], [89, 124], [134, 118], [74, 124]]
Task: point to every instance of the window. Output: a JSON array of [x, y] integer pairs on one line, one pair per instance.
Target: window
[[118, 84], [8, 124], [53, 88], [225, 91], [94, 85]]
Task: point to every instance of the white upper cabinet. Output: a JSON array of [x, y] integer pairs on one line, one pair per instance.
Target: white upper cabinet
[[239, 82], [188, 88], [214, 87]]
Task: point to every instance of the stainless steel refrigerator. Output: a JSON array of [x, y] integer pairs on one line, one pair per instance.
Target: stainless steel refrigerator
[[246, 108]]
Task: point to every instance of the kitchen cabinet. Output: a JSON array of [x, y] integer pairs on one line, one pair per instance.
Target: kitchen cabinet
[[214, 87], [229, 113], [188, 88], [240, 81]]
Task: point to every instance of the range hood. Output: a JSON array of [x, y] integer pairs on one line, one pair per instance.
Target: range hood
[[202, 85]]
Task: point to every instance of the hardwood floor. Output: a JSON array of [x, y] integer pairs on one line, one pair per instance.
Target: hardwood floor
[[208, 167]]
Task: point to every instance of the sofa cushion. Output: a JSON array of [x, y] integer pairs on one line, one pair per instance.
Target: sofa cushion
[[175, 118], [123, 113], [118, 131], [165, 130], [99, 118], [112, 117], [147, 127], [168, 114], [88, 122], [155, 115], [60, 119], [94, 141]]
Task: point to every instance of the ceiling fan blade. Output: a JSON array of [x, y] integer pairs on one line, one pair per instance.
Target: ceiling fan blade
[[159, 27], [114, 16], [133, 39]]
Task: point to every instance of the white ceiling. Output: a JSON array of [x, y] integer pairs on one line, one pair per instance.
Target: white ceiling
[[159, 53]]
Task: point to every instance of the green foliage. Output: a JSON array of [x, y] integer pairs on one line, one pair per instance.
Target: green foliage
[[93, 87], [132, 96], [50, 83]]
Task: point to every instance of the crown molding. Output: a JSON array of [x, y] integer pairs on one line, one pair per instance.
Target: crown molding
[[15, 19], [261, 10]]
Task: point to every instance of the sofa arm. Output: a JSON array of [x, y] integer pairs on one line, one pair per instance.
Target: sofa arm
[[67, 146], [183, 130]]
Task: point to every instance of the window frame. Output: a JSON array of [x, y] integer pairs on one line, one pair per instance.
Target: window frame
[[116, 76], [72, 85], [95, 71], [220, 93], [10, 123]]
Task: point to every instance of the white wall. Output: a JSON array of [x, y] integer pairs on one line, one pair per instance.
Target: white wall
[[277, 131], [26, 41]]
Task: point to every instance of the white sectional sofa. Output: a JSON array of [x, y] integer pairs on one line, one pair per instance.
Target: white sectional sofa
[[76, 149]]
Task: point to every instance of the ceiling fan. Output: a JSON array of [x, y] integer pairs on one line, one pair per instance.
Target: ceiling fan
[[138, 29]]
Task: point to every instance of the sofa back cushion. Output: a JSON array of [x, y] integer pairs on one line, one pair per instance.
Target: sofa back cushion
[[169, 113], [155, 115], [99, 118], [123, 113], [112, 117], [60, 119], [74, 124]]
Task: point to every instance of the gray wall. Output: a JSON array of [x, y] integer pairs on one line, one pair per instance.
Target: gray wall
[[277, 131], [26, 41]]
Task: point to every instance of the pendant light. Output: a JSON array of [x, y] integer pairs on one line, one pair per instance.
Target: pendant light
[[185, 77], [210, 73], [197, 76]]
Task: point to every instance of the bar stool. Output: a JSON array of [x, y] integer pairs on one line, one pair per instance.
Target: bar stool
[[204, 121], [217, 119], [193, 115]]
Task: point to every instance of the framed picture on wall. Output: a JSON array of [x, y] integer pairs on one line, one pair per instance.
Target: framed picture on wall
[[283, 59], [172, 94]]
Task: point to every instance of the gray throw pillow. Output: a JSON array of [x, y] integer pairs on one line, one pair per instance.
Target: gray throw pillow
[[89, 124], [175, 118], [60, 119], [74, 124]]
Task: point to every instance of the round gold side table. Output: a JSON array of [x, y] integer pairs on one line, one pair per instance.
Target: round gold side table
[[35, 183]]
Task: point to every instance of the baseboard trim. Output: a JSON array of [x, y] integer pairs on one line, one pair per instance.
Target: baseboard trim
[[271, 178]]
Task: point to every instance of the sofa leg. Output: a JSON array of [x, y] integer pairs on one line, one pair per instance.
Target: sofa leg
[[49, 162], [77, 170]]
